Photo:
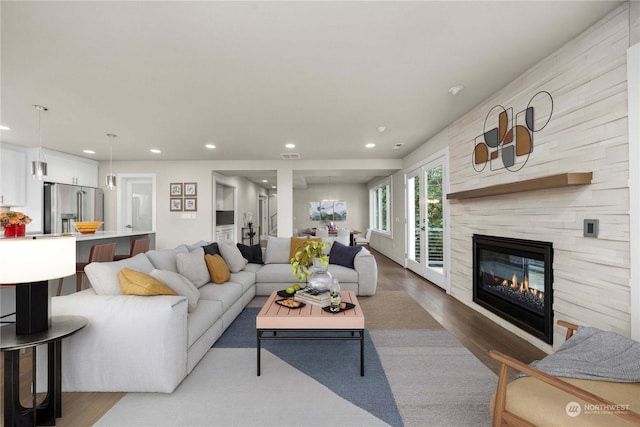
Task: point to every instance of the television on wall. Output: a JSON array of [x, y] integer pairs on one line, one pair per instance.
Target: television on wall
[[224, 217]]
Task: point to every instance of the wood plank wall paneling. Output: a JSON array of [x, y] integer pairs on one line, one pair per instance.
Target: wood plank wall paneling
[[587, 132]]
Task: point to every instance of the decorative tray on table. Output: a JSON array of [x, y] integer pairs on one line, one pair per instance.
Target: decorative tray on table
[[290, 303], [347, 306]]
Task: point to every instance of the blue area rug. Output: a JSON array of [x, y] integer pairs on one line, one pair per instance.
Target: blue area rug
[[335, 364]]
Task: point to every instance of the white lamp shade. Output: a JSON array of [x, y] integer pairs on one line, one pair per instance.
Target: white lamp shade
[[36, 258]]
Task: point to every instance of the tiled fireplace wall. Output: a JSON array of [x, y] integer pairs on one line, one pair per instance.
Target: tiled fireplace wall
[[587, 133]]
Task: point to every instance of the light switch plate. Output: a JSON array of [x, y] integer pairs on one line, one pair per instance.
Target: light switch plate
[[591, 227]]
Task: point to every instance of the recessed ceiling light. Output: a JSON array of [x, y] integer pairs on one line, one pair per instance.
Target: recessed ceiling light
[[265, 180], [4, 128], [155, 151], [370, 145], [210, 146], [290, 145], [381, 128], [89, 151], [453, 90]]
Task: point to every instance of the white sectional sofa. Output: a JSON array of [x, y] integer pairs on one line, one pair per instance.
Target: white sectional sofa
[[150, 343]]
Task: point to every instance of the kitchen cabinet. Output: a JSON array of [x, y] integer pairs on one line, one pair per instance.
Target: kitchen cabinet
[[68, 169], [13, 176], [224, 233]]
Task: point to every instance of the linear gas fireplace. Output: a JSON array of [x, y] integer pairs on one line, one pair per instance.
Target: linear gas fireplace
[[513, 278]]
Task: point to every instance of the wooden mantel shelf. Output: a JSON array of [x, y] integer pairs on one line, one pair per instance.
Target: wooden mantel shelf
[[551, 181]]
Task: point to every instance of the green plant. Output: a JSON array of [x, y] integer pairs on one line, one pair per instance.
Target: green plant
[[304, 255]]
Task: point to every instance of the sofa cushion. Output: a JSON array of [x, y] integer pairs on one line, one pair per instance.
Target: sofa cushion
[[193, 267], [134, 282], [278, 249], [103, 276], [343, 255], [246, 279], [180, 285], [274, 273], [252, 254], [232, 256], [343, 274], [165, 259], [211, 249], [201, 319], [227, 293], [218, 270], [299, 243]]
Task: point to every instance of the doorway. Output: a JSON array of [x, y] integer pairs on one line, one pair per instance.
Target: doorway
[[427, 212], [136, 202]]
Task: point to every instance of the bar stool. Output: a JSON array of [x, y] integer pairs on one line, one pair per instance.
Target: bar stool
[[138, 246], [98, 253]]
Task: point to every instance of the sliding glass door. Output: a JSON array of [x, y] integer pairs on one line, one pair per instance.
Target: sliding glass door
[[426, 221]]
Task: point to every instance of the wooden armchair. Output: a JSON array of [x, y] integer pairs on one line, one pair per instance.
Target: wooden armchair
[[545, 400]]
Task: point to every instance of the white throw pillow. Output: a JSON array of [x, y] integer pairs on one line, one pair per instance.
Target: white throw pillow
[[278, 249], [232, 256], [193, 267], [104, 275], [180, 285], [165, 259]]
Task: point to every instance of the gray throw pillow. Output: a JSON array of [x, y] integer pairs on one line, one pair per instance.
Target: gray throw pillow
[[232, 256], [193, 267], [180, 285], [278, 249], [165, 259]]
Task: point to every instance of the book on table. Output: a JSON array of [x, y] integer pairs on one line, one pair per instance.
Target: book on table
[[321, 299]]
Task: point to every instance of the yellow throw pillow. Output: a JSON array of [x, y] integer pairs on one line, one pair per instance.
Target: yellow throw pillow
[[296, 243], [134, 282], [218, 269]]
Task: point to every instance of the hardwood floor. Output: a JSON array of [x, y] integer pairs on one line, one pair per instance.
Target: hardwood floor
[[473, 330]]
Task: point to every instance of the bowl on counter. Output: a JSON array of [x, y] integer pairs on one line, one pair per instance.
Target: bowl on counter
[[87, 227]]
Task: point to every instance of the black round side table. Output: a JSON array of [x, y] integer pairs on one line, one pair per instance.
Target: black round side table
[[11, 344]]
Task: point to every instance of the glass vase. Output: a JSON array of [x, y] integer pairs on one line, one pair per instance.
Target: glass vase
[[320, 279], [336, 297]]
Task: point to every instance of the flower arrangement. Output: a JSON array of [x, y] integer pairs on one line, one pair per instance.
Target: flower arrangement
[[13, 217], [305, 254]]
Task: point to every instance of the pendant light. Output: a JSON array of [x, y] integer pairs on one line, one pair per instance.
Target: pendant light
[[111, 178], [39, 167]]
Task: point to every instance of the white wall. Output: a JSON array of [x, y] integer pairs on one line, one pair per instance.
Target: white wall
[[587, 132], [172, 229], [356, 197]]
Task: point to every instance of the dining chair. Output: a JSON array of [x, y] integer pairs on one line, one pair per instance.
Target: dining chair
[[138, 246], [322, 232], [364, 240], [98, 253]]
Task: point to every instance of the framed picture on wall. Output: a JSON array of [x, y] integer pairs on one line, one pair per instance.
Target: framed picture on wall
[[175, 204], [190, 188], [175, 189], [190, 204], [314, 211]]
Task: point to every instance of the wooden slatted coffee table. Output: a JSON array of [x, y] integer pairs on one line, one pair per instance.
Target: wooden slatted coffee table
[[275, 321]]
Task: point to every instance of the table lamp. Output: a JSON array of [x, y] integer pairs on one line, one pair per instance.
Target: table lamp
[[30, 262]]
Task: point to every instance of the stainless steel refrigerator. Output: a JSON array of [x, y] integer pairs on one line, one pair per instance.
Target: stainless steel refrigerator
[[64, 203]]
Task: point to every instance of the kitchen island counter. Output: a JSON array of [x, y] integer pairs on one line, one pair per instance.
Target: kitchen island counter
[[98, 235]]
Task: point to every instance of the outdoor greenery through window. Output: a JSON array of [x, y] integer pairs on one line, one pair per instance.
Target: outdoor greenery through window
[[380, 207]]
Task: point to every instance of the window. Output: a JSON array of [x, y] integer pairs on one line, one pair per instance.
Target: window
[[380, 197]]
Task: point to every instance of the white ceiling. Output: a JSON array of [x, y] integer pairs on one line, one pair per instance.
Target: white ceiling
[[252, 76]]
